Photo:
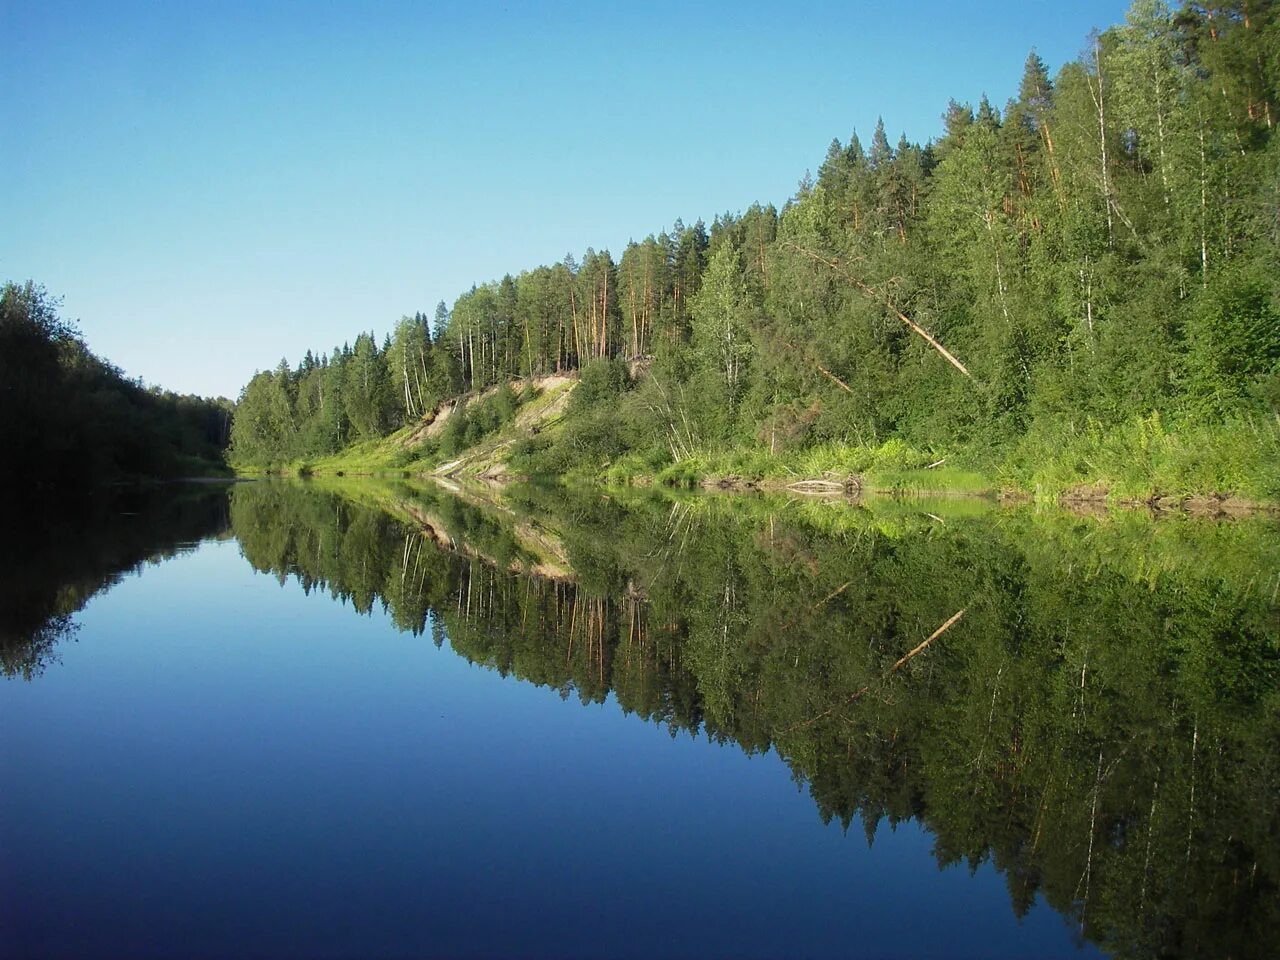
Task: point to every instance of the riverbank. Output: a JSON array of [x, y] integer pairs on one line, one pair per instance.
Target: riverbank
[[1198, 474], [1223, 468]]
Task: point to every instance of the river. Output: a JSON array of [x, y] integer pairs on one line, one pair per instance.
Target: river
[[373, 718]]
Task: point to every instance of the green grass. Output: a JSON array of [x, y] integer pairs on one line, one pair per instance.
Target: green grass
[[1139, 460], [891, 467], [953, 480], [1145, 458], [1135, 461], [387, 455]]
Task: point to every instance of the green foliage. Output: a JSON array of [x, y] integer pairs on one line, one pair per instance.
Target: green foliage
[[1100, 252], [601, 383], [456, 430], [1143, 458], [685, 474], [1234, 335], [69, 418], [593, 432]]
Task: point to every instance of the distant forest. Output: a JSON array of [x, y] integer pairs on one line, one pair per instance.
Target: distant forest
[[69, 418], [1096, 262]]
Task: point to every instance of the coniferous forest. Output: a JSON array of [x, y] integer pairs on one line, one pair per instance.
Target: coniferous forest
[[1080, 283], [976, 620]]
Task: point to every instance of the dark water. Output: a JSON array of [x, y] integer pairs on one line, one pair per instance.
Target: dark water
[[379, 720]]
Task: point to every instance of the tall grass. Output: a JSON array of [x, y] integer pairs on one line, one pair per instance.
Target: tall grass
[[1136, 460], [1144, 458], [892, 465]]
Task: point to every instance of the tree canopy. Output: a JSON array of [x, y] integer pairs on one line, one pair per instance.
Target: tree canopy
[[1099, 253]]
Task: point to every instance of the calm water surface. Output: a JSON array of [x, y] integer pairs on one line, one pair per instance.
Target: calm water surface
[[383, 720]]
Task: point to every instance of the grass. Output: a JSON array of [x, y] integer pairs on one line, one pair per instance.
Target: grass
[[1140, 460], [953, 480], [1144, 458], [891, 467]]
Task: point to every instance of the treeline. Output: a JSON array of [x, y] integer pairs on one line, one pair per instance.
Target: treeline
[[69, 418], [1104, 251], [354, 393], [1132, 785]]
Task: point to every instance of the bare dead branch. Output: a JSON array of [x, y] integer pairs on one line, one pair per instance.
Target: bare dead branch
[[871, 292]]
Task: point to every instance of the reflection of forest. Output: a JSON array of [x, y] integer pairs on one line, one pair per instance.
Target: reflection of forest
[[1104, 723], [60, 554]]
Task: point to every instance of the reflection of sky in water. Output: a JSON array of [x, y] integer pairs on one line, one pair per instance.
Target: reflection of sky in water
[[220, 764]]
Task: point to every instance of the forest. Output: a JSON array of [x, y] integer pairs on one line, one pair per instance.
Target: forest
[[73, 420], [1083, 281]]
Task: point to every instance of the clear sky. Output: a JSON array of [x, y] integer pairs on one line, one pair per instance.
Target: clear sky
[[214, 186]]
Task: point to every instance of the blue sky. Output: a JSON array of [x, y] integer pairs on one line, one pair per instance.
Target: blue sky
[[214, 186]]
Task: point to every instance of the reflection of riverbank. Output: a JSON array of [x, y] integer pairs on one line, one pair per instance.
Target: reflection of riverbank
[[1106, 708], [57, 557]]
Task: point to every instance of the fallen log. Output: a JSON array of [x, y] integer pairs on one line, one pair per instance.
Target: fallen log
[[902, 661], [880, 298]]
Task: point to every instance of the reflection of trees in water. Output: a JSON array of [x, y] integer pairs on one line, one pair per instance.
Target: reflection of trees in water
[[29, 655], [60, 555], [1103, 724]]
